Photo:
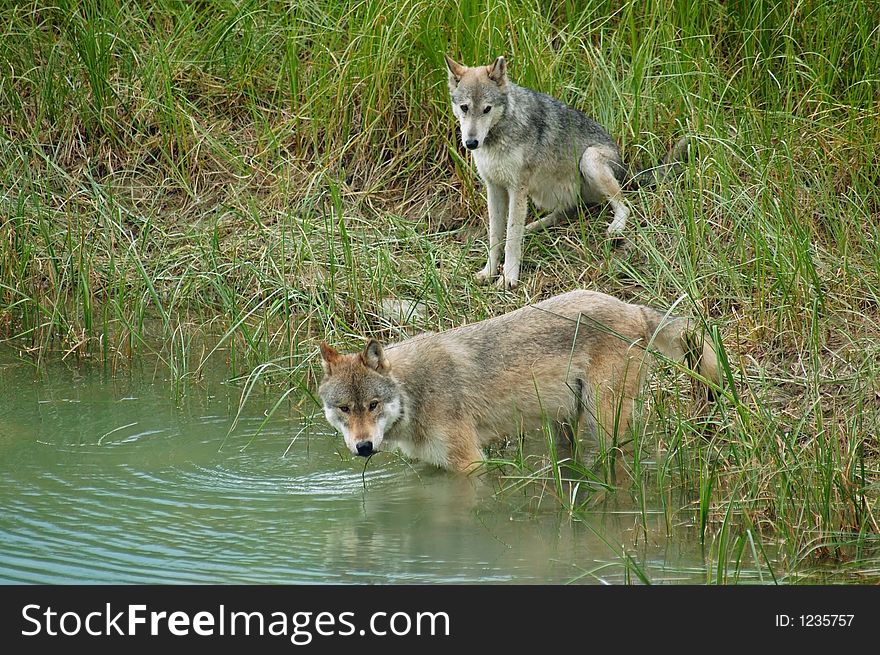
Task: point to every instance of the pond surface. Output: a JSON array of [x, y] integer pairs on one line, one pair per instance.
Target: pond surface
[[111, 479]]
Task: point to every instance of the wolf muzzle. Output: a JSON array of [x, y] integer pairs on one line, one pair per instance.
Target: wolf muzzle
[[471, 144], [365, 448]]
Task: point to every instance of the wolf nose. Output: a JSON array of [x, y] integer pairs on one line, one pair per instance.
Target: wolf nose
[[471, 144], [365, 448]]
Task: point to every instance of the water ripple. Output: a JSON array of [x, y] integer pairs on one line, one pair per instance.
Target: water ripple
[[114, 482]]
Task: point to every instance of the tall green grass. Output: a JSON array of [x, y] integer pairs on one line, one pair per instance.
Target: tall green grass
[[239, 179]]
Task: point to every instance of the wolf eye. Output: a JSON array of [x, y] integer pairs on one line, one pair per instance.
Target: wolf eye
[[344, 409], [374, 405], [487, 108], [464, 109]]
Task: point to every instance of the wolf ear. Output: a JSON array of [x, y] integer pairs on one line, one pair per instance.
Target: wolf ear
[[374, 357], [498, 72], [329, 357], [456, 72]]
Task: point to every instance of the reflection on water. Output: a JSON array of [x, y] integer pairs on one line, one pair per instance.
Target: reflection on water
[[110, 480]]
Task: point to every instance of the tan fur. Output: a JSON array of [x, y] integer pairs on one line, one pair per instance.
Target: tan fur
[[577, 360]]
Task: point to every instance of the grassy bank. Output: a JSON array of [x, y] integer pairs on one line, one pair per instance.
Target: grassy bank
[[239, 179]]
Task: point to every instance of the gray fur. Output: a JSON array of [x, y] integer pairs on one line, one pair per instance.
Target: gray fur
[[527, 144]]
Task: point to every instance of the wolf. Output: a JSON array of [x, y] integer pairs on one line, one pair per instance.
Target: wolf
[[527, 144], [577, 360]]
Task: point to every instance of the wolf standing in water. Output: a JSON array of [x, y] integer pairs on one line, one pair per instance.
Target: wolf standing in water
[[529, 145], [577, 360]]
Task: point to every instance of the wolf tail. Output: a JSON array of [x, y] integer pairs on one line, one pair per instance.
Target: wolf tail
[[668, 166], [683, 340]]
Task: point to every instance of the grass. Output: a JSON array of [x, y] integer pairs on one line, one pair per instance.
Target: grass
[[193, 181]]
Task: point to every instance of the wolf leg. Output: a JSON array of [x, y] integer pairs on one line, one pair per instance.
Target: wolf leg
[[496, 198], [600, 184], [584, 426], [463, 452], [551, 219], [516, 222]]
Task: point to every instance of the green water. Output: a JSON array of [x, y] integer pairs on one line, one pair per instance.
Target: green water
[[115, 479]]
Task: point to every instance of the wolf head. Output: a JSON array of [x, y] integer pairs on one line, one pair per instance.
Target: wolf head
[[479, 98], [361, 398]]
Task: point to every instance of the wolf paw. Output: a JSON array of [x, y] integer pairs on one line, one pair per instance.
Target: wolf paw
[[615, 228], [484, 275], [509, 283]]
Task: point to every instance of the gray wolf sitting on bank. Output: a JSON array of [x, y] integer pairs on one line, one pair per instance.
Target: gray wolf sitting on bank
[[529, 145], [577, 360]]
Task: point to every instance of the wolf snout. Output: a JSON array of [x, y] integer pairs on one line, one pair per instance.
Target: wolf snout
[[365, 448], [471, 144]]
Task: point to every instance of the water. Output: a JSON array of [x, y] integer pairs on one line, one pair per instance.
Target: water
[[113, 480]]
